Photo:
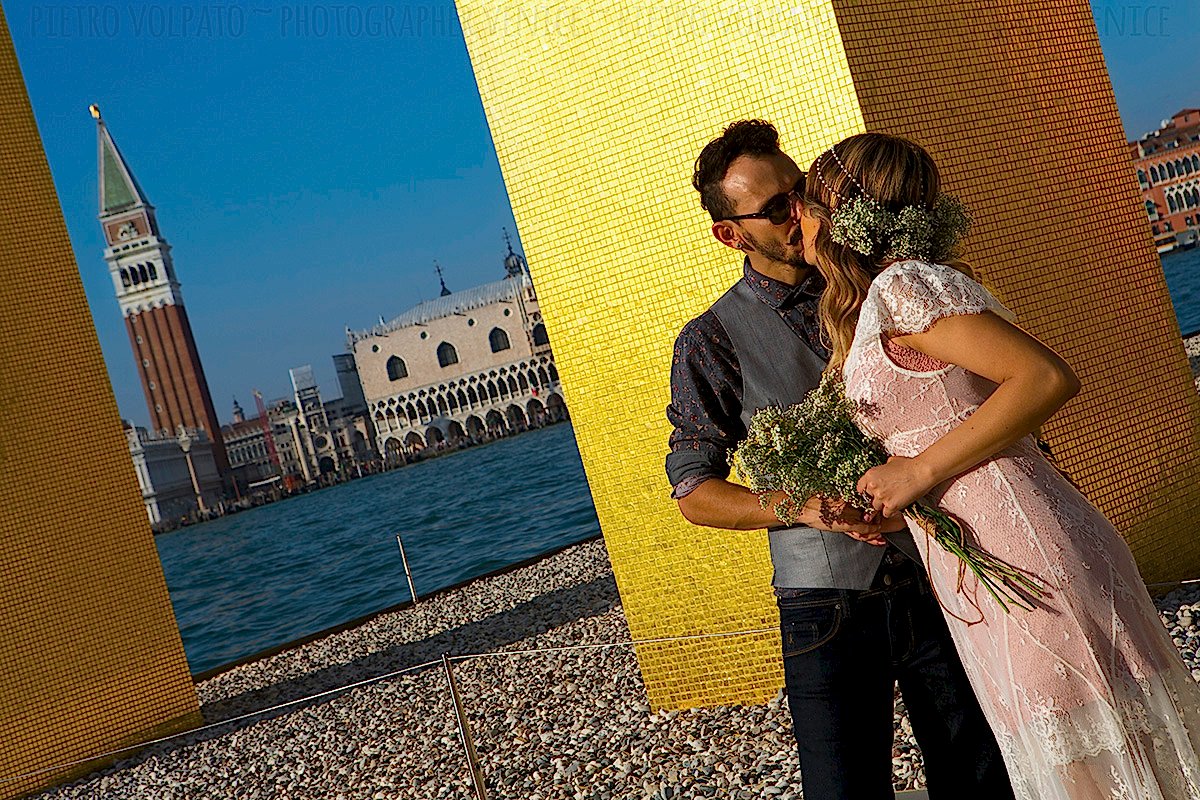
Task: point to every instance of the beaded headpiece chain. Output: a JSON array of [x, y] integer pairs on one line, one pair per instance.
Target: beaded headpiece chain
[[916, 231]]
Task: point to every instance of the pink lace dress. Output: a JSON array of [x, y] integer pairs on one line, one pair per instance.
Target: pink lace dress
[[1087, 695]]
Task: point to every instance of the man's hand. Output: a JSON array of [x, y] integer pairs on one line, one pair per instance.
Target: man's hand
[[717, 503], [837, 516]]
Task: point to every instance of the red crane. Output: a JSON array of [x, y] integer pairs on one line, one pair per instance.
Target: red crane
[[266, 426]]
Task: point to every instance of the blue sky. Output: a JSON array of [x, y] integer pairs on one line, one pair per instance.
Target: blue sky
[[308, 171]]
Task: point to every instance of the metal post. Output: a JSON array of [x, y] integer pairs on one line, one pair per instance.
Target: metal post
[[464, 733], [407, 572]]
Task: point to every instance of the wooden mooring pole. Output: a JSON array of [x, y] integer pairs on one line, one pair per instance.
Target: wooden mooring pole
[[407, 572]]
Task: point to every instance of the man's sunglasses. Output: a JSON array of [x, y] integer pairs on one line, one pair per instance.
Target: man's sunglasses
[[777, 210]]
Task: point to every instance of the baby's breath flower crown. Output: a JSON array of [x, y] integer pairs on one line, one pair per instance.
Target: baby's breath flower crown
[[864, 225]]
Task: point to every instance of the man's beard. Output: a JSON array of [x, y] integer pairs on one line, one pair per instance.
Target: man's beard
[[779, 251]]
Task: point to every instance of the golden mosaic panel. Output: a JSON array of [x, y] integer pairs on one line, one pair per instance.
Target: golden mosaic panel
[[598, 111], [91, 653], [1015, 103]]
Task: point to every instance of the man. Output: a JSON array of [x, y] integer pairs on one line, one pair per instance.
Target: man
[[856, 614]]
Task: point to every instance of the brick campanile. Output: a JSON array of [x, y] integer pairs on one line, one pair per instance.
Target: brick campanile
[[143, 274]]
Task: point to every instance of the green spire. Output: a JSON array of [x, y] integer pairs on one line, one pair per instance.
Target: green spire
[[119, 190]]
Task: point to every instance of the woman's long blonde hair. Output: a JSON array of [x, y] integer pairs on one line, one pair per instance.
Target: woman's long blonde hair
[[892, 170]]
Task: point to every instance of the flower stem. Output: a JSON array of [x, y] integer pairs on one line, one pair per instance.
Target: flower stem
[[1001, 580]]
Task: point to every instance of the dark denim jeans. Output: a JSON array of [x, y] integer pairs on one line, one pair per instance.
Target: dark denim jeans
[[843, 653]]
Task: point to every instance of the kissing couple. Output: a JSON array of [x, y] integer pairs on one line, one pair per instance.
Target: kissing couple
[[851, 268]]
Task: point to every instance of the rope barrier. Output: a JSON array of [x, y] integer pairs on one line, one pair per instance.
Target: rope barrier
[[603, 645], [1172, 583], [210, 726]]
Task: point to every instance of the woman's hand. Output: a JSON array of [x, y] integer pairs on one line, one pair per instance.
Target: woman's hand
[[896, 485]]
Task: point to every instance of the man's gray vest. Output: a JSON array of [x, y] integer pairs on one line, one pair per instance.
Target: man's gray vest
[[778, 369]]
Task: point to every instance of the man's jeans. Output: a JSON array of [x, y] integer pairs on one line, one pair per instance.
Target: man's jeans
[[843, 653]]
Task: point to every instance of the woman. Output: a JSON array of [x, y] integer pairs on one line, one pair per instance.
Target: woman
[[1087, 695]]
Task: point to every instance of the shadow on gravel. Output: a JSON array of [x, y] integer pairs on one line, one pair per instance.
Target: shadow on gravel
[[491, 633]]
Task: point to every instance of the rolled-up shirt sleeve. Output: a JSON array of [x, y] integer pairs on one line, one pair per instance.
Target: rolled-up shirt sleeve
[[706, 403]]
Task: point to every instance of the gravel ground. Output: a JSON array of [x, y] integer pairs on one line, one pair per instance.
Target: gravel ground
[[566, 726], [570, 725]]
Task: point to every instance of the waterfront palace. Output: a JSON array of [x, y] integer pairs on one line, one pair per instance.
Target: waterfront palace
[[466, 367], [1168, 172]]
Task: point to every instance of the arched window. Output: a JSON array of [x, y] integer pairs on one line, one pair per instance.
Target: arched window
[[524, 384], [1171, 204], [553, 374], [153, 271], [1170, 169], [1154, 173], [474, 398], [422, 412], [539, 335], [447, 355], [396, 368], [462, 399], [411, 411], [491, 388], [125, 277], [1150, 208], [512, 385], [441, 405], [142, 270], [1196, 162], [133, 275], [499, 340], [1141, 176], [543, 378]]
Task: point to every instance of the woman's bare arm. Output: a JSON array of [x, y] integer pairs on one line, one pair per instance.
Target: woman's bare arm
[[1033, 382]]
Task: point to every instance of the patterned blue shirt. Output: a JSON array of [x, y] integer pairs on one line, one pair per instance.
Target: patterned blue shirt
[[706, 381]]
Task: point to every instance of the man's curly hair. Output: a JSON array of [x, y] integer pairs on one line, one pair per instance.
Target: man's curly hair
[[745, 137]]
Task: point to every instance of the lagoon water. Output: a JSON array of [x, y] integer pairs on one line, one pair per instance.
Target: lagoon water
[[253, 580], [1182, 270]]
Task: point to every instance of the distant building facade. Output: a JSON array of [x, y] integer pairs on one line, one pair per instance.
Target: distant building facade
[[177, 474], [1168, 170], [311, 437], [464, 368], [249, 455]]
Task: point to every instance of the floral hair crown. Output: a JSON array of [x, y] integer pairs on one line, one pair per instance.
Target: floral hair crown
[[864, 225]]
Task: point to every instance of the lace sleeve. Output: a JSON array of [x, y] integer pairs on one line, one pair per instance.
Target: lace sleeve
[[913, 295]]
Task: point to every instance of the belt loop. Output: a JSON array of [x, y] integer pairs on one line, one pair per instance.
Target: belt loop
[[846, 595]]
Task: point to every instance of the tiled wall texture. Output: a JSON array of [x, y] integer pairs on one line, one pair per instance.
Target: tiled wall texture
[[90, 653], [598, 111]]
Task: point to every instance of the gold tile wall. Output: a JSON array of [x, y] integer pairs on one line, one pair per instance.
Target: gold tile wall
[[598, 111], [91, 655], [1015, 103]]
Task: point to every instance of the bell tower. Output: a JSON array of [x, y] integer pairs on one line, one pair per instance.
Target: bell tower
[[147, 288]]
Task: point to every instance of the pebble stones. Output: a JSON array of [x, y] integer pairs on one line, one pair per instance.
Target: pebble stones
[[566, 726]]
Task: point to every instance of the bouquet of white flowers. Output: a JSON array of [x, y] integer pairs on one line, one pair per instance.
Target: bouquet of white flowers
[[814, 448]]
